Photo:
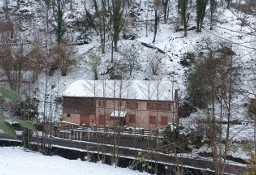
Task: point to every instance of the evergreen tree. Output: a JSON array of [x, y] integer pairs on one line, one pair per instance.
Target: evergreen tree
[[60, 24]]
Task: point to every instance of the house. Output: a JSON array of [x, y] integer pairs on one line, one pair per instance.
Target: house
[[252, 107], [118, 103]]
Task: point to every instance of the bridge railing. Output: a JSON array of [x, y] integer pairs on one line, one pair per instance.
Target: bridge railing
[[136, 139]]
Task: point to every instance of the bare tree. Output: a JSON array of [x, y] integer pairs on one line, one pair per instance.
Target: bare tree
[[47, 93], [229, 89], [183, 11], [47, 3], [19, 64], [94, 62], [98, 21], [117, 21], [147, 21], [213, 6], [7, 26], [251, 95], [6, 9], [166, 10], [131, 56], [71, 4], [252, 115], [155, 60], [18, 4], [157, 4], [211, 87], [200, 13], [228, 3], [63, 56]]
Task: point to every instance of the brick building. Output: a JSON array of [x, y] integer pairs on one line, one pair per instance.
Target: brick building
[[118, 103]]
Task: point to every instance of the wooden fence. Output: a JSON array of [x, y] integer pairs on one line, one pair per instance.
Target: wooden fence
[[139, 139]]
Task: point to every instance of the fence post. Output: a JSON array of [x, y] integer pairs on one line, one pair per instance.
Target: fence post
[[130, 130], [82, 135], [55, 130], [106, 129], [142, 131]]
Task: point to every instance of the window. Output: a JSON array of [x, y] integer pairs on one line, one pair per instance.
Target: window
[[152, 120], [166, 106], [159, 106], [132, 104], [101, 120], [102, 103], [154, 106], [164, 120], [131, 118], [112, 118], [68, 115]]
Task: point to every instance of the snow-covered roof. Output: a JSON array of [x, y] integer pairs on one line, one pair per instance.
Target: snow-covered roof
[[71, 123], [125, 89], [121, 114]]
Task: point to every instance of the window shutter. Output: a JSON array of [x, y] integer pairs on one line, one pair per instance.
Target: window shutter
[[131, 118], [164, 120], [101, 120], [152, 120]]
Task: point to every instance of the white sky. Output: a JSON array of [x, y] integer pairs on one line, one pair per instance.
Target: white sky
[[14, 160]]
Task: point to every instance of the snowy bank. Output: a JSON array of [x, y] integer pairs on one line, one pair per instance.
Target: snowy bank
[[15, 160]]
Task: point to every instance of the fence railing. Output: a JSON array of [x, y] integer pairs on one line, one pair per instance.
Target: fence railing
[[136, 138]]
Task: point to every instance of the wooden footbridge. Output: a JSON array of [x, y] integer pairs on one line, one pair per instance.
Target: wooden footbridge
[[127, 145]]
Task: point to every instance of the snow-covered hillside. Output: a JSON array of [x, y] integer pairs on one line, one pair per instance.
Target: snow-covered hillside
[[232, 27]]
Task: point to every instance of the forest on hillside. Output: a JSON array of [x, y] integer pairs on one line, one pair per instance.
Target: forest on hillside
[[206, 48]]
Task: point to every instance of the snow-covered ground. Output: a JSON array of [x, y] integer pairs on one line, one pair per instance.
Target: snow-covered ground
[[15, 160], [227, 30]]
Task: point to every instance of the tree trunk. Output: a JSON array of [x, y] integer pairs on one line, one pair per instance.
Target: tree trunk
[[254, 136], [186, 25], [182, 8], [71, 4], [155, 26], [228, 3], [103, 26], [165, 5], [112, 51], [18, 4], [228, 106], [213, 5], [47, 15], [117, 20], [147, 21]]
